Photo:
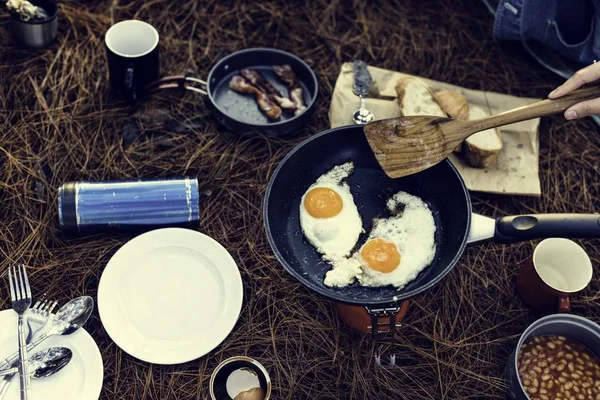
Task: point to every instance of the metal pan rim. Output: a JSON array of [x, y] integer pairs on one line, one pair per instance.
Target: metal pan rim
[[309, 107], [329, 293]]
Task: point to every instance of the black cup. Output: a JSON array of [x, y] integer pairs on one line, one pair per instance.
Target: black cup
[[132, 52]]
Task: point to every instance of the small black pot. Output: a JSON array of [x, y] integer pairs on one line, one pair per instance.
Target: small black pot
[[36, 33], [239, 113]]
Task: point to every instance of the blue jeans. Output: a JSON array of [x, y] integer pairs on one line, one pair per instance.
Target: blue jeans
[[567, 26]]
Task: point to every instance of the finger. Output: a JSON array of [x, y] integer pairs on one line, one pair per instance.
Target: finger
[[583, 109], [586, 75]]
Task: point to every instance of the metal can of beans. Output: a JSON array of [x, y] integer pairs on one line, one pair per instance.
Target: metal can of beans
[[571, 369]]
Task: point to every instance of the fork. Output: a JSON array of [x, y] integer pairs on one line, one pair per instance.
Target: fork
[[41, 311], [20, 295]]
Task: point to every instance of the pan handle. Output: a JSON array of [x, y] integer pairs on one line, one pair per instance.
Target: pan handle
[[177, 81], [536, 226], [482, 229]]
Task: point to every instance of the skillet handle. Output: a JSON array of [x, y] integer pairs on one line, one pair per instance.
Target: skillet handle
[[177, 81], [537, 226]]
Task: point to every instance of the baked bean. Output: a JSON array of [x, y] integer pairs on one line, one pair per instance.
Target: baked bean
[[554, 367]]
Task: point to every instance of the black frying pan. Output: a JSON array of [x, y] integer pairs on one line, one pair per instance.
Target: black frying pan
[[440, 186], [238, 112]]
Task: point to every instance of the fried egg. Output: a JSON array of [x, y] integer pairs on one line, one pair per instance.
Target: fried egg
[[328, 215], [397, 250]]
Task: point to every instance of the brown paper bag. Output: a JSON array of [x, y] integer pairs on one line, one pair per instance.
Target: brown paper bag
[[516, 170]]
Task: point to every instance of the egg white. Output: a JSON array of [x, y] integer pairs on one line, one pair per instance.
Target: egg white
[[333, 237], [411, 230]]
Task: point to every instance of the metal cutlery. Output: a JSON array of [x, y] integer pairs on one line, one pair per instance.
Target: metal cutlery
[[42, 364], [41, 310], [67, 320], [362, 85], [20, 295]]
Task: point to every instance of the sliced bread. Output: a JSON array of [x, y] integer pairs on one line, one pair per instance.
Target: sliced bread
[[482, 148], [454, 104], [415, 98]]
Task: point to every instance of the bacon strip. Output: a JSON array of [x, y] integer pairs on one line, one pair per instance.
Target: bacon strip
[[240, 85], [285, 73], [288, 76], [256, 79]]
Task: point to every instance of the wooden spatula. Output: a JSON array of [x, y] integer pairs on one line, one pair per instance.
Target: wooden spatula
[[406, 145]]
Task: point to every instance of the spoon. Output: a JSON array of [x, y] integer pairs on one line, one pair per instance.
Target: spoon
[[362, 84], [42, 364], [407, 145], [67, 320], [45, 362]]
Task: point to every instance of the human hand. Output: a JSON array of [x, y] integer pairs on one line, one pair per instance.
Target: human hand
[[583, 76]]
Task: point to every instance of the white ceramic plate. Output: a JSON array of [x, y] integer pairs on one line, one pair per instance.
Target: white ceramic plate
[[170, 296], [80, 379]]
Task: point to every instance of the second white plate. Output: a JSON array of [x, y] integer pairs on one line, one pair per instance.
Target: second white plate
[[170, 296]]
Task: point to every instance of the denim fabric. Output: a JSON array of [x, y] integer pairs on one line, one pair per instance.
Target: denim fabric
[[571, 27]]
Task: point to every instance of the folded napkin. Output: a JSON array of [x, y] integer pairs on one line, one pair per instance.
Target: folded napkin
[[516, 169]]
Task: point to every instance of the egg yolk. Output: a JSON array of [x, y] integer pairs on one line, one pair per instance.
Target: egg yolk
[[380, 255], [323, 203]]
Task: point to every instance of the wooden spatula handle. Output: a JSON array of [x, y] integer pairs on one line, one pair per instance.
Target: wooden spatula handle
[[539, 109]]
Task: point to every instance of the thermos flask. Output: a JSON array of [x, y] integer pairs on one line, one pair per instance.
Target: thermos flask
[[131, 205]]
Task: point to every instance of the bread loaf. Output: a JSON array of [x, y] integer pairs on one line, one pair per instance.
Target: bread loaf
[[482, 148], [415, 98], [455, 105]]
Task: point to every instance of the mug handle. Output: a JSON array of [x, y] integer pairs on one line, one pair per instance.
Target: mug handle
[[564, 304], [130, 86]]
